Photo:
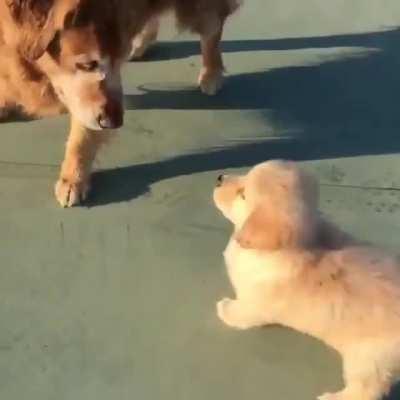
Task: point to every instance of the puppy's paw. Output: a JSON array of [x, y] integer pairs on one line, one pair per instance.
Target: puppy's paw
[[331, 396], [222, 306], [210, 82], [70, 194], [228, 313]]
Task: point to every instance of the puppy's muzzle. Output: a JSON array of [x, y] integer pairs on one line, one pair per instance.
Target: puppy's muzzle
[[220, 180]]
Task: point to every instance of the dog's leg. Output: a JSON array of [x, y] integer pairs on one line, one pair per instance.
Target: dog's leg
[[211, 74], [240, 314], [365, 379], [81, 148], [144, 39]]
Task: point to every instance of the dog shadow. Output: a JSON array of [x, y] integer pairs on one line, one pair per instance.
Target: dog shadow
[[339, 108], [172, 50], [15, 116], [394, 394]]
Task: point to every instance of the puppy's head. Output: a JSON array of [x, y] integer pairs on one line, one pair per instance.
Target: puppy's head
[[77, 44], [274, 206]]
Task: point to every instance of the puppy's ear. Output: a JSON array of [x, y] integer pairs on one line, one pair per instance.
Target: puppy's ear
[[269, 230], [260, 231]]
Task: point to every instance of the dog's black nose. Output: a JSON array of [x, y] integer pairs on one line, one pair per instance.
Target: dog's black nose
[[107, 123], [112, 116], [220, 179]]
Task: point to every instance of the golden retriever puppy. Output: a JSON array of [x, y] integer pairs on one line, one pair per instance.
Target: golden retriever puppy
[[205, 17], [288, 266]]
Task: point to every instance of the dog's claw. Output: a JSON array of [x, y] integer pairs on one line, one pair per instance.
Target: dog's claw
[[139, 49], [210, 82], [70, 194]]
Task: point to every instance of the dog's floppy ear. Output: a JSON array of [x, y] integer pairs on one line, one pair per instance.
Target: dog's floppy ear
[[36, 25], [268, 230], [38, 22]]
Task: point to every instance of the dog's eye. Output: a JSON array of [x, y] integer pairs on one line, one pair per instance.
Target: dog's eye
[[88, 66], [241, 194]]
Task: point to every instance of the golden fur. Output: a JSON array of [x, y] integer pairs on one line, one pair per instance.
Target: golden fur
[[205, 17], [289, 266], [66, 55]]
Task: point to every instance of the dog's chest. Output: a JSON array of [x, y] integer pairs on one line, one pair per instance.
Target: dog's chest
[[248, 267]]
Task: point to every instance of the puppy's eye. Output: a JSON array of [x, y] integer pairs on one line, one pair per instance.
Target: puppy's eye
[[241, 194], [89, 66]]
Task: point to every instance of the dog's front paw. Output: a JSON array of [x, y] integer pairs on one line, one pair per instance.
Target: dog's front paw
[[69, 193], [210, 82], [139, 49]]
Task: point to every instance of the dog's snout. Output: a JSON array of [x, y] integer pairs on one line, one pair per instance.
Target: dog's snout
[[220, 180], [105, 122], [112, 116]]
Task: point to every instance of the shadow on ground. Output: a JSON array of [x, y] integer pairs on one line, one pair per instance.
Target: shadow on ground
[[395, 393], [14, 116], [339, 108], [164, 51], [358, 92]]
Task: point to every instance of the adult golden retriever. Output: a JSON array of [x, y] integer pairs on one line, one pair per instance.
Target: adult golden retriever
[[291, 267], [66, 55]]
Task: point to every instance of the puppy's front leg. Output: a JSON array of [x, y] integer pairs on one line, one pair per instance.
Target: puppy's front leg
[[82, 145], [240, 314]]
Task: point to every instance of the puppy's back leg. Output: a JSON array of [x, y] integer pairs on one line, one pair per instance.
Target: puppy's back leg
[[366, 377]]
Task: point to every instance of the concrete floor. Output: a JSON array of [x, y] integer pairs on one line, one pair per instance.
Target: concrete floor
[[117, 300]]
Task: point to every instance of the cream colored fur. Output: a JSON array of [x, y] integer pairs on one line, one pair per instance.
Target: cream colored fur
[[288, 266]]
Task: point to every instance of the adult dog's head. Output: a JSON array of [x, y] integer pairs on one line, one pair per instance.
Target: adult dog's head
[[274, 206], [78, 45]]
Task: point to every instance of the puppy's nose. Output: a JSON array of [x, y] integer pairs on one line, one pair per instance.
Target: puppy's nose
[[220, 180]]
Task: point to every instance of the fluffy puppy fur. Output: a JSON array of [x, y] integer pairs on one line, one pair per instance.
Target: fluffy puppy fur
[[288, 266], [204, 17]]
